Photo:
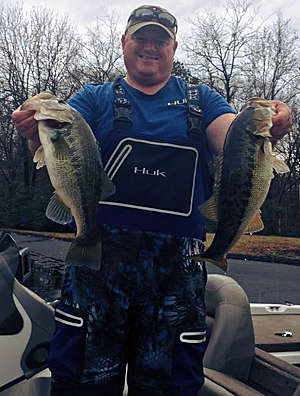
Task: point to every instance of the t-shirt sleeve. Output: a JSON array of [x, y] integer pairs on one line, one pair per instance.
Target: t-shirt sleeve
[[84, 102], [213, 105]]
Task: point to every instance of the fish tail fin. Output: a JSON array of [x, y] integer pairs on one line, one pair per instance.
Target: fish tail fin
[[219, 262], [85, 252]]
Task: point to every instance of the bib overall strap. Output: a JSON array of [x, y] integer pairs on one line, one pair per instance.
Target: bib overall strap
[[195, 113], [122, 107]]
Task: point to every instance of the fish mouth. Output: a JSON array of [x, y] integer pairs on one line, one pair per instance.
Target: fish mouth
[[55, 124]]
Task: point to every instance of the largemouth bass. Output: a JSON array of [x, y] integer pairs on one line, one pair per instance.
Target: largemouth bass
[[244, 171], [72, 157]]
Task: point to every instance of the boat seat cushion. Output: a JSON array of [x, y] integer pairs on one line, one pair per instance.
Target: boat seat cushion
[[231, 345]]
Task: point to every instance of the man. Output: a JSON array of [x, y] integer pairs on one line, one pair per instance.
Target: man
[[145, 306]]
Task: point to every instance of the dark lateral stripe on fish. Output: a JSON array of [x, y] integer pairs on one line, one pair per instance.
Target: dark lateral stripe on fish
[[242, 153]]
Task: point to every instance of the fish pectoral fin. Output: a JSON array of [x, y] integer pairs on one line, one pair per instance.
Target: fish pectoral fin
[[61, 150], [256, 224], [280, 166], [210, 208], [57, 211], [39, 157], [107, 186]]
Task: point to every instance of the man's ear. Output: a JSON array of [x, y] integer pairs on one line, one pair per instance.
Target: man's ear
[[175, 46], [123, 40]]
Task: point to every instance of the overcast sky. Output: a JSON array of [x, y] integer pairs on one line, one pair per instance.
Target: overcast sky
[[84, 13]]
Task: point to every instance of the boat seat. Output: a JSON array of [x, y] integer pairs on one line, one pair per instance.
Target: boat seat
[[230, 348], [297, 392], [232, 363], [26, 327]]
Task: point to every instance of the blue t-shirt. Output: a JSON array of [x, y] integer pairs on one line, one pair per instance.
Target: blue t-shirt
[[160, 184], [163, 114]]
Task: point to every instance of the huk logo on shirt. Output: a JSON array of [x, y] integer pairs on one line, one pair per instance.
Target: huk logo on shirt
[[148, 172], [177, 102]]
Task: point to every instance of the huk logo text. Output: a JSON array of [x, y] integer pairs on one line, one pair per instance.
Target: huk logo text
[[145, 171]]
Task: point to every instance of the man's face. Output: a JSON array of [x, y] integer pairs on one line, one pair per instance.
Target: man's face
[[148, 55]]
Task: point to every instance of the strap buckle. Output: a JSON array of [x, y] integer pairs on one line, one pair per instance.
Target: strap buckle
[[195, 121], [122, 109]]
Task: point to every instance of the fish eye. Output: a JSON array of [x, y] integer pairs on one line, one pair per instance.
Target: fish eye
[[55, 137]]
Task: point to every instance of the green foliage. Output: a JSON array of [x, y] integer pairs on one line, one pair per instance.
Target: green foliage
[[24, 208], [280, 220]]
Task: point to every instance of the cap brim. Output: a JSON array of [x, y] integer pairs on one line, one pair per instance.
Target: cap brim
[[134, 28]]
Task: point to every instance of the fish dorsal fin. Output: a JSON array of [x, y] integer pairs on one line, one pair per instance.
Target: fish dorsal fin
[[39, 157], [218, 164], [210, 207], [256, 224], [108, 188], [57, 211]]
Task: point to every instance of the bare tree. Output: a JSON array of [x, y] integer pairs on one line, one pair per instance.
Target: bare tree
[[241, 56], [217, 44], [37, 53], [271, 70], [289, 149], [55, 51], [101, 59], [42, 51], [271, 67]]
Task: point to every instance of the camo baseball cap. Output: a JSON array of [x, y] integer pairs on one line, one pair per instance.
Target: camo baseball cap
[[151, 15]]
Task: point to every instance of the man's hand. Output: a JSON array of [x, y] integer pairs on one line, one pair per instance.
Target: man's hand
[[27, 127], [282, 121]]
